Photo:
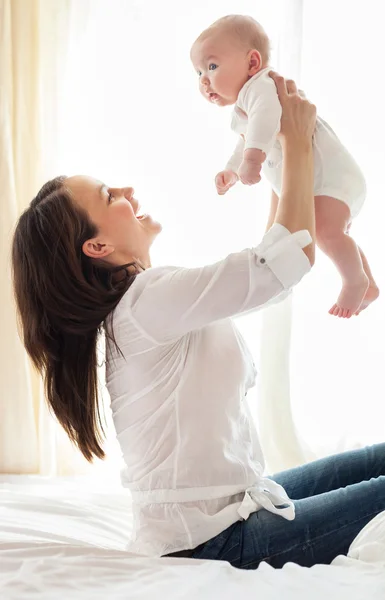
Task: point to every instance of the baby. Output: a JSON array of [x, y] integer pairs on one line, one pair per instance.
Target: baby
[[231, 58]]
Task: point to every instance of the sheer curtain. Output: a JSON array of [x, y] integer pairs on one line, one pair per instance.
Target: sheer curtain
[[132, 114], [325, 392], [124, 107], [338, 366], [33, 41], [282, 442], [19, 163]]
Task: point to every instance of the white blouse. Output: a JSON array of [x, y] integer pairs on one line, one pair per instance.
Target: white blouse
[[194, 465]]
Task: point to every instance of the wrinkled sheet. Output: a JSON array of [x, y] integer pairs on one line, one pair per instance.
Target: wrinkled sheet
[[62, 539]]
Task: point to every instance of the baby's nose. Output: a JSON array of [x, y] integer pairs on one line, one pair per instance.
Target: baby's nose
[[129, 192]]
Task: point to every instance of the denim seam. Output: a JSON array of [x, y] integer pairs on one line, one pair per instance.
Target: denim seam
[[310, 544], [228, 551]]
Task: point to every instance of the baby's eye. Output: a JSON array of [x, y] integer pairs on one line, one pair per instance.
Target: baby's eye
[[199, 73], [212, 67]]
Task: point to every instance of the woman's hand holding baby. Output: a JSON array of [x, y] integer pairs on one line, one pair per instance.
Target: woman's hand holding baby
[[298, 119]]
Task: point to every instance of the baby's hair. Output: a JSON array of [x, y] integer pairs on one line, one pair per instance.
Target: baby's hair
[[247, 30]]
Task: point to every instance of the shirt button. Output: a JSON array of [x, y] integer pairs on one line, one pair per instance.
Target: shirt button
[[262, 261]]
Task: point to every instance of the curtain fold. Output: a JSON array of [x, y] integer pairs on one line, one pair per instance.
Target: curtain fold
[[33, 42], [19, 177], [280, 439], [89, 86], [321, 389]]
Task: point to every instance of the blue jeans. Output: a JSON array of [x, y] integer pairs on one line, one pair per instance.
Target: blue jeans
[[334, 498]]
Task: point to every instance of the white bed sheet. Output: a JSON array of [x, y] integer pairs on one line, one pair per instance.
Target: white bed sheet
[[60, 539]]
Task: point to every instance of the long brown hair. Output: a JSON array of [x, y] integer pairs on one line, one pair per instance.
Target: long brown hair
[[63, 298]]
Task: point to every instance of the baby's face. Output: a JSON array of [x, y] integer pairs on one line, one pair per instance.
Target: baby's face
[[222, 67]]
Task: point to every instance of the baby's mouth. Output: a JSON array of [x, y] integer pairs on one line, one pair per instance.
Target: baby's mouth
[[213, 96], [140, 214]]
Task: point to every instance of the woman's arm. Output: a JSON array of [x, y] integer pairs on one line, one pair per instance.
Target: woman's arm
[[166, 303], [274, 199], [296, 203]]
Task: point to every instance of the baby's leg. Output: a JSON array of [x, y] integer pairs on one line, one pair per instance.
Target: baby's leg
[[332, 222], [372, 292]]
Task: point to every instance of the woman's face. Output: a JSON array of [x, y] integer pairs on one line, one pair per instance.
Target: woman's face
[[124, 234]]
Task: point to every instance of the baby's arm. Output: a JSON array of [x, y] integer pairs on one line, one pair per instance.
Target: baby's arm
[[236, 158], [261, 104], [229, 177], [249, 171]]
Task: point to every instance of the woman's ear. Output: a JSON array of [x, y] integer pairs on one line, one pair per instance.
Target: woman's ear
[[255, 62], [95, 249]]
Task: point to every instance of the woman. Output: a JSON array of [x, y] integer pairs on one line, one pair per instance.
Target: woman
[[178, 371]]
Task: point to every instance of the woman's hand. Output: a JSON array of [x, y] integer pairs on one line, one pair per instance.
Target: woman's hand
[[295, 209], [298, 114]]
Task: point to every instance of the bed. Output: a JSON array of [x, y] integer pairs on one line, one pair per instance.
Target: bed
[[65, 539]]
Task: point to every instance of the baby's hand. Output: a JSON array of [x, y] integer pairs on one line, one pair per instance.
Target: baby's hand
[[224, 181], [250, 170]]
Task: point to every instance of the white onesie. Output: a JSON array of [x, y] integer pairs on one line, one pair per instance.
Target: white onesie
[[256, 118]]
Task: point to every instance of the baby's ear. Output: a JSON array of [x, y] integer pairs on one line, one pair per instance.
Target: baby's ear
[[255, 62]]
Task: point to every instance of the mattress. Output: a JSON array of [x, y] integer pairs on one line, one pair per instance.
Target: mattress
[[66, 538]]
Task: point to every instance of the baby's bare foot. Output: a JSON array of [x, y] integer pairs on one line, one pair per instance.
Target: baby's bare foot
[[371, 295], [350, 299]]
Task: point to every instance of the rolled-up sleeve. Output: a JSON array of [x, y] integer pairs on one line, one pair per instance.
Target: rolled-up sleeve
[[167, 303], [279, 250]]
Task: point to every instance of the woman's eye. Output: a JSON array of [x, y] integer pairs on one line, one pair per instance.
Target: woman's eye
[[110, 196], [212, 67]]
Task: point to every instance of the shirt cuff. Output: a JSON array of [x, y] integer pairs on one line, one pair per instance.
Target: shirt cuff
[[263, 146], [282, 252], [233, 165]]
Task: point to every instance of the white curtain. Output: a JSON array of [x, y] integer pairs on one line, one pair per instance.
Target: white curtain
[[132, 114], [283, 445], [19, 127], [324, 392], [126, 109], [33, 44]]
